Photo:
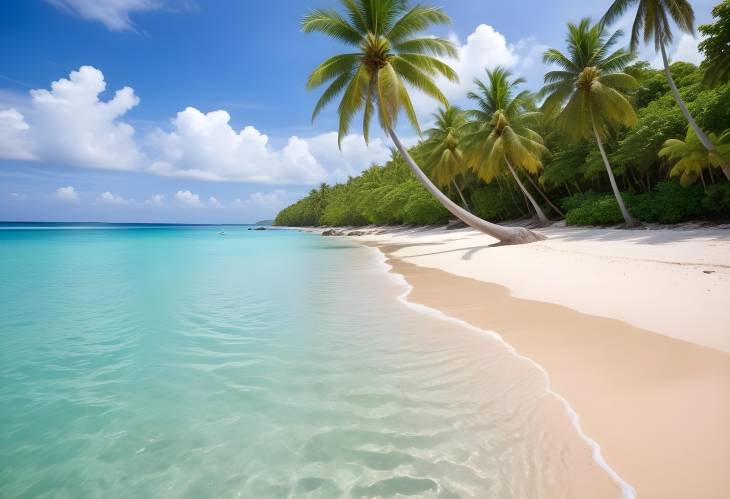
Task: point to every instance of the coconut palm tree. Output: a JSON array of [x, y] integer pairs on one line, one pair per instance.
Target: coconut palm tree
[[587, 91], [442, 149], [690, 157], [498, 135], [389, 52], [653, 19]]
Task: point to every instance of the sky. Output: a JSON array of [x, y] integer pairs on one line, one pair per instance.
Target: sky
[[195, 111]]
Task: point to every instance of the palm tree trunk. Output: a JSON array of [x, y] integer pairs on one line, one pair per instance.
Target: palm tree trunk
[[630, 221], [545, 197], [461, 195], [687, 115], [506, 235], [540, 215]]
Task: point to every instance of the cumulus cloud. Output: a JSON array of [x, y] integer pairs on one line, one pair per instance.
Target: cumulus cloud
[[205, 146], [109, 198], [18, 196], [70, 124], [354, 157], [484, 48], [267, 198], [14, 141], [212, 201], [156, 200], [687, 51], [67, 194], [189, 199], [114, 14]]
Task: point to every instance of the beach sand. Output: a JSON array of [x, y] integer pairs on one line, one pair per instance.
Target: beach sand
[[633, 328]]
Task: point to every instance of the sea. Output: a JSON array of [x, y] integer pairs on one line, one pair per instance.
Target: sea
[[191, 361]]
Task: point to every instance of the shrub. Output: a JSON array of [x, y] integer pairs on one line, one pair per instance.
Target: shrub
[[717, 199], [668, 203], [424, 209], [592, 209], [492, 203]]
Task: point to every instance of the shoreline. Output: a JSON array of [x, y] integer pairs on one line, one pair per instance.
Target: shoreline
[[625, 489], [656, 405]]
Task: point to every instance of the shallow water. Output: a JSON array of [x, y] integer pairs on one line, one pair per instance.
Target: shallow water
[[174, 362]]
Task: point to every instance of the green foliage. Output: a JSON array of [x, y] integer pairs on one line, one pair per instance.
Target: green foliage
[[386, 51], [716, 45], [592, 209], [668, 203], [390, 194], [491, 202], [658, 122], [423, 209], [381, 195], [717, 199]]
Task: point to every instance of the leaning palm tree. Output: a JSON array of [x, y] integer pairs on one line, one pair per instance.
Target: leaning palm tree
[[653, 18], [499, 134], [690, 158], [388, 52], [587, 91], [442, 149]]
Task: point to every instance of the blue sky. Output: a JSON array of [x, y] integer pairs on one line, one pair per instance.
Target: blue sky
[[196, 111]]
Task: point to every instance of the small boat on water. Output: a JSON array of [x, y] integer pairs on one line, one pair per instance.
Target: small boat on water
[[222, 233]]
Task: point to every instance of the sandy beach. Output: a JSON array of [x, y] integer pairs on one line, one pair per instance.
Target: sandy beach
[[633, 328]]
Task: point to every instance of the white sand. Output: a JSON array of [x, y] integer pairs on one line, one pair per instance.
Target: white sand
[[632, 327], [672, 282]]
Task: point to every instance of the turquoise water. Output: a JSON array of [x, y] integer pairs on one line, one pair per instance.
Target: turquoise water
[[174, 362]]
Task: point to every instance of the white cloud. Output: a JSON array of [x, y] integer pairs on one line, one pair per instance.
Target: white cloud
[[212, 201], [68, 194], [189, 199], [354, 157], [687, 51], [14, 141], [156, 200], [204, 146], [110, 198], [267, 198], [69, 124], [18, 196], [114, 14], [484, 48]]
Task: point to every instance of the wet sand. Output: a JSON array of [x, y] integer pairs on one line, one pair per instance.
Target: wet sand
[[658, 407]]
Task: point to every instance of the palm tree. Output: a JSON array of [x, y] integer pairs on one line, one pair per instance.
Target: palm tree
[[442, 149], [690, 157], [587, 90], [389, 52], [499, 135], [653, 18]]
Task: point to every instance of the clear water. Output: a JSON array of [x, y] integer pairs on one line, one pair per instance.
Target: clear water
[[174, 362]]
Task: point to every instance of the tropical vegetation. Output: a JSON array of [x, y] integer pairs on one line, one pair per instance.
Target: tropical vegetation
[[607, 140]]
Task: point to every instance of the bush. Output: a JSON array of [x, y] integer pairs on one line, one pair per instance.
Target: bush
[[494, 204], [424, 209], [717, 199], [592, 209], [668, 203]]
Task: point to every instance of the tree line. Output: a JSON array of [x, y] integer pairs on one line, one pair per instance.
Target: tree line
[[607, 139]]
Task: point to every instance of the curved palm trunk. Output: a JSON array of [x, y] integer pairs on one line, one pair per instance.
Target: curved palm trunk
[[545, 197], [461, 195], [687, 115], [630, 221], [506, 235], [540, 215]]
